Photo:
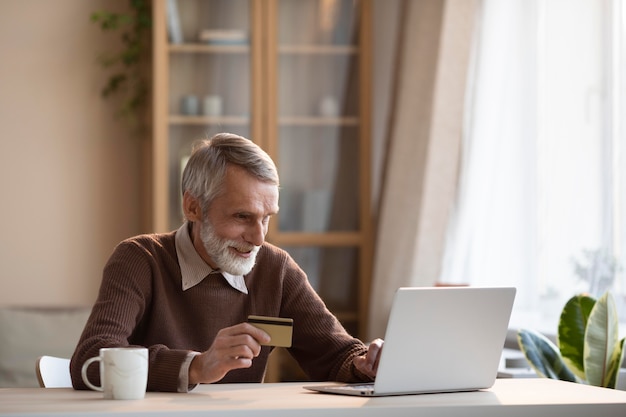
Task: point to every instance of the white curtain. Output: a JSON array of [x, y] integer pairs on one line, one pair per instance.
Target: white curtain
[[491, 232], [423, 147], [533, 191]]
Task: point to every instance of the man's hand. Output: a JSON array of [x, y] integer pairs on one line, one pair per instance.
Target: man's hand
[[233, 348], [368, 363]]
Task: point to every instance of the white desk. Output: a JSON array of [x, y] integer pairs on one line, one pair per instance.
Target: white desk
[[510, 397]]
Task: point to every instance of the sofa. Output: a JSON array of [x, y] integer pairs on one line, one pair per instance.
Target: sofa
[[29, 332]]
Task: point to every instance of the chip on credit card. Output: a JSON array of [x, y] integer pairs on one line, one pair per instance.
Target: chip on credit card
[[279, 329]]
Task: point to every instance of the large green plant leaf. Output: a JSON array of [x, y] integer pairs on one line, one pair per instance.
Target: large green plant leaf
[[571, 332], [615, 367], [543, 356], [602, 345]]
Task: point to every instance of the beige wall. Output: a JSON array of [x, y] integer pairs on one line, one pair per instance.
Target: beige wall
[[69, 171]]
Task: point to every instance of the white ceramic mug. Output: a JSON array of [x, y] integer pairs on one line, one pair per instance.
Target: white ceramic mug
[[123, 373]]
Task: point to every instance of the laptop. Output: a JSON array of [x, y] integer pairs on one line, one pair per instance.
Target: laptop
[[439, 339]]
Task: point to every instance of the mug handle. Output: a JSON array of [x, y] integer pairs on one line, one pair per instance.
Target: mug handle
[[83, 373]]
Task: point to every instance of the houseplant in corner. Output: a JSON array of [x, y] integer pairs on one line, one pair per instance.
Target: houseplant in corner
[[588, 348]]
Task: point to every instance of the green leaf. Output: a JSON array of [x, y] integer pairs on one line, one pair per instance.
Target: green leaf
[[114, 84], [602, 344], [571, 332], [543, 356], [616, 365]]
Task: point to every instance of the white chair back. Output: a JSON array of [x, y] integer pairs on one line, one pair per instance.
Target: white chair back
[[53, 372]]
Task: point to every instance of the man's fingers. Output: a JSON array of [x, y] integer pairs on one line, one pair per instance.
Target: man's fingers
[[368, 363], [245, 329], [233, 348], [374, 352]]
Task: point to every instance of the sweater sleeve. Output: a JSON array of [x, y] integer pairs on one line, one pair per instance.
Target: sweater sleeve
[[123, 299], [321, 345]]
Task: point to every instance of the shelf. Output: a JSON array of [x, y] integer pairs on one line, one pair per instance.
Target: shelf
[[177, 119], [201, 48], [326, 239], [245, 48], [318, 121], [208, 120], [318, 49]]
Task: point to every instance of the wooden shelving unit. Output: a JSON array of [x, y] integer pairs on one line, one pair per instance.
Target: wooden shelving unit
[[296, 55]]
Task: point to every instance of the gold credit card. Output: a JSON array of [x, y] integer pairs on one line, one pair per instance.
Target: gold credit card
[[279, 329]]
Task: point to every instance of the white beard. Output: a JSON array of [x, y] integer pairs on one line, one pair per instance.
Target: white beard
[[219, 251]]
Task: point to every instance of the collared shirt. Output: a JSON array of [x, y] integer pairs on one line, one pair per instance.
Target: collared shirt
[[194, 270]]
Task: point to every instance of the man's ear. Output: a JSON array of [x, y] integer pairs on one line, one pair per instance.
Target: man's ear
[[191, 208]]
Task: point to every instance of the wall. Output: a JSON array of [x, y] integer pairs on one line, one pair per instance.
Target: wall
[[69, 170]]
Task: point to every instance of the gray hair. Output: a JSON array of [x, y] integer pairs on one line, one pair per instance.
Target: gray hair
[[205, 171]]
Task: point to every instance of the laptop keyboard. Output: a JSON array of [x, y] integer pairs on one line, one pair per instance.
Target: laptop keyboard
[[356, 387]]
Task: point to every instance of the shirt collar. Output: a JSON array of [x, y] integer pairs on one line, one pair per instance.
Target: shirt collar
[[193, 268]]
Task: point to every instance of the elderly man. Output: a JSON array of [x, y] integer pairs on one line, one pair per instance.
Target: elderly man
[[186, 294]]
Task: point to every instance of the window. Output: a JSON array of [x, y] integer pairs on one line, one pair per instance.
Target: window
[[543, 177]]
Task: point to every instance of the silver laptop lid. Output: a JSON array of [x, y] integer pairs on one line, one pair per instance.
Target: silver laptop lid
[[444, 339]]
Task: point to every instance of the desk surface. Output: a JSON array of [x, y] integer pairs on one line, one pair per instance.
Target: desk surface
[[510, 397]]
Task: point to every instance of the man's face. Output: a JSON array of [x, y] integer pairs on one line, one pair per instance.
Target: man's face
[[234, 228]]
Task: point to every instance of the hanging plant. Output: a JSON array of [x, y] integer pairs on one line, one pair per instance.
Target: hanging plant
[[128, 79]]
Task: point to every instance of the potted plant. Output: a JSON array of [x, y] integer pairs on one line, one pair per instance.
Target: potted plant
[[588, 349]]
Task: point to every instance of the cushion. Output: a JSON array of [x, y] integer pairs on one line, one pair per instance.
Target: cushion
[[27, 333]]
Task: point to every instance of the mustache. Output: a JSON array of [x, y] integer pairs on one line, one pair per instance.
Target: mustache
[[244, 248]]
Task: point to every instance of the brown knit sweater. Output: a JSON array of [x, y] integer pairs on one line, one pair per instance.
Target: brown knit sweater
[[141, 303]]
